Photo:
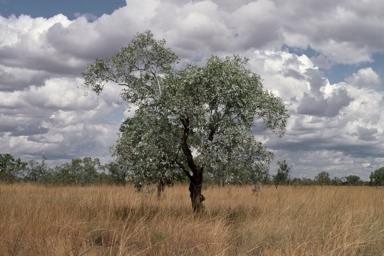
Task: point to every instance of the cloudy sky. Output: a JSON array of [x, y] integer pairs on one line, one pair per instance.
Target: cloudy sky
[[323, 58]]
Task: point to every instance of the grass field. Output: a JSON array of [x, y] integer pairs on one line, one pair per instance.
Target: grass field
[[37, 220]]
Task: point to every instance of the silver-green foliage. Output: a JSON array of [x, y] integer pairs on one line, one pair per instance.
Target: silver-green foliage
[[188, 119], [377, 177]]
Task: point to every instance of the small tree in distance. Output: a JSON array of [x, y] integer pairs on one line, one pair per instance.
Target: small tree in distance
[[323, 178], [78, 172], [336, 181], [186, 118], [353, 180], [282, 175], [36, 171]]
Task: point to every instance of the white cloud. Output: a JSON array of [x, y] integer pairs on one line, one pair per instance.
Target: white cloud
[[255, 24], [58, 120], [365, 78], [88, 16], [342, 119], [335, 127]]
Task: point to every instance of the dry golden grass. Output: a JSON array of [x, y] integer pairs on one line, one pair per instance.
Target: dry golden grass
[[36, 220]]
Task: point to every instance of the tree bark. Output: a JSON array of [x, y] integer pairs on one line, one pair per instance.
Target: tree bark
[[160, 187], [195, 187], [196, 179]]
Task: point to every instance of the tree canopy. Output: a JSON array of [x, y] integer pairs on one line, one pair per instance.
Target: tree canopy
[[10, 168], [323, 178], [188, 119], [377, 177]]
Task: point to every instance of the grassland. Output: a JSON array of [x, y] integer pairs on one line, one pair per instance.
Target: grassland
[[37, 220]]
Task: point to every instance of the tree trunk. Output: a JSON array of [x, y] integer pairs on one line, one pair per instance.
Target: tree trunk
[[196, 179], [160, 187], [195, 187], [221, 181]]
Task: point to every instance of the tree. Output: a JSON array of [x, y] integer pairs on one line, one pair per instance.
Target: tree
[[336, 181], [117, 172], [282, 175], [186, 118], [77, 172], [10, 168], [353, 180], [323, 178], [35, 171], [377, 177]]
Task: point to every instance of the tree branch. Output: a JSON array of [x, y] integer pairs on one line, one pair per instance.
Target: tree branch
[[182, 167], [185, 147]]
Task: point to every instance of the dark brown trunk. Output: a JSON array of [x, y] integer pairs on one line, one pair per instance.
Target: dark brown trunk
[[160, 188], [195, 187], [196, 178]]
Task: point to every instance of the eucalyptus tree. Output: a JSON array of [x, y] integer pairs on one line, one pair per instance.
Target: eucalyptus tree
[[79, 172], [377, 177], [185, 118], [323, 178], [353, 180], [116, 173], [10, 168], [282, 175], [35, 171]]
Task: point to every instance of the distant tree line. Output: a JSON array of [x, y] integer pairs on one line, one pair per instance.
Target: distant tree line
[[89, 171], [79, 172]]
